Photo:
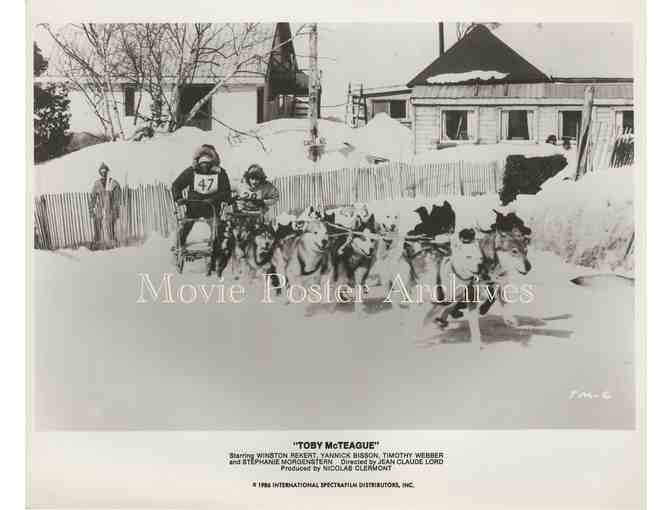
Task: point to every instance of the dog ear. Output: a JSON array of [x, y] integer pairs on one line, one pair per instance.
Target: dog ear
[[371, 222]]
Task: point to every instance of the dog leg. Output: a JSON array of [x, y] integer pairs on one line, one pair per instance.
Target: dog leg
[[508, 317], [357, 293], [475, 329]]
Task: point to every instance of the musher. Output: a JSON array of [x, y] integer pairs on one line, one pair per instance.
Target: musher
[[207, 181]]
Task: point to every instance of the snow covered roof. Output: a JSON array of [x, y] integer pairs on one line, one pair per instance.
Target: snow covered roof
[[479, 56], [468, 76]]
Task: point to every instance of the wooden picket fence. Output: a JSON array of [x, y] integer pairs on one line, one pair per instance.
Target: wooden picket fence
[[63, 220], [386, 182], [609, 149]]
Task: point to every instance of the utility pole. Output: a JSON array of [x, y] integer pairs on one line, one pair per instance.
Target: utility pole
[[348, 120], [314, 141]]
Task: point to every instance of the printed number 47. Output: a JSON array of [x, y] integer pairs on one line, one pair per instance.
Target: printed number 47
[[208, 186]]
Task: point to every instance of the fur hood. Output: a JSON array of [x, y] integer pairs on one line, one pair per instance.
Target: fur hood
[[255, 170], [207, 150]]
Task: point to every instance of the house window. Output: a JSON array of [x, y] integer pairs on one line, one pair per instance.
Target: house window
[[395, 108], [517, 125], [380, 107], [570, 124], [625, 121], [129, 101], [455, 125], [398, 109]]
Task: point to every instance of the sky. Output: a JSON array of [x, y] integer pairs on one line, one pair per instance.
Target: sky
[[383, 54]]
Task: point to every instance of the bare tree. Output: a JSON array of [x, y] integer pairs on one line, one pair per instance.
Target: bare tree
[[244, 45], [160, 60]]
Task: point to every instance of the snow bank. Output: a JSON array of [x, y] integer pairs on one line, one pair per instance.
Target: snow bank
[[589, 222], [469, 75], [384, 137], [277, 145]]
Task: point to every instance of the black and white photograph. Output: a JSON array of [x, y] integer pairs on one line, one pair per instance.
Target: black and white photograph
[[318, 226]]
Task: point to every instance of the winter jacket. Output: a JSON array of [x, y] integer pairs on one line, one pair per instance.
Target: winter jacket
[[212, 185], [105, 199], [256, 200]]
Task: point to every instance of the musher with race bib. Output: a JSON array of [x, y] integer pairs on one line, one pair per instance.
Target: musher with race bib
[[206, 182], [255, 194]]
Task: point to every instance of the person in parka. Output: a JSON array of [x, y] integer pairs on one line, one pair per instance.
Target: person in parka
[[104, 207], [205, 181], [255, 194]]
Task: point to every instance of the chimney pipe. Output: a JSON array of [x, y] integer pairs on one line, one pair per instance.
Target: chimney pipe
[[441, 42]]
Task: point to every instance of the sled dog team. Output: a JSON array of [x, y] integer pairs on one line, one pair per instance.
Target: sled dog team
[[348, 243], [349, 246]]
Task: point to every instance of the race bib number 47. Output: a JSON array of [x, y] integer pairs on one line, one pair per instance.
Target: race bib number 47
[[205, 184]]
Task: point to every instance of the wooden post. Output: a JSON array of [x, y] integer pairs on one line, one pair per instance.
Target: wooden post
[[313, 93], [582, 142]]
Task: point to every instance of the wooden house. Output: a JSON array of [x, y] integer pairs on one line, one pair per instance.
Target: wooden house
[[366, 103], [482, 91]]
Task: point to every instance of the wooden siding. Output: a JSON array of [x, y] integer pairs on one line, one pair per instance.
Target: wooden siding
[[489, 124], [426, 129], [524, 90]]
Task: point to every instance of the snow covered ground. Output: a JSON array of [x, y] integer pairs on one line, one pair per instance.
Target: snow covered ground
[[103, 361]]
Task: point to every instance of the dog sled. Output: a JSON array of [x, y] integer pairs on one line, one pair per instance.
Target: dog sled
[[197, 249]]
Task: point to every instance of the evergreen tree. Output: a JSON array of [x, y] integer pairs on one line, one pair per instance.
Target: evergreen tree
[[51, 115]]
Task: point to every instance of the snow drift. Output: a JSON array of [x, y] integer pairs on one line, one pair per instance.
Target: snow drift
[[279, 146], [590, 222]]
